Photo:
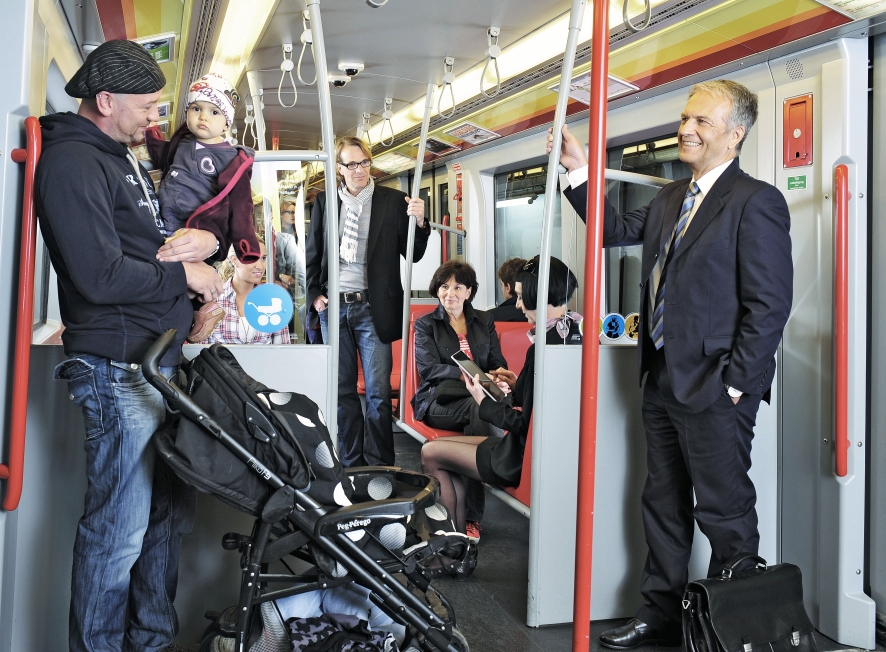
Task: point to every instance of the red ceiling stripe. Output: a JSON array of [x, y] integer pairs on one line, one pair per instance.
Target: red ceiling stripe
[[117, 18]]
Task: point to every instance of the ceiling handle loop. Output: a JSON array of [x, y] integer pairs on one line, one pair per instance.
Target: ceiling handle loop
[[493, 52], [646, 20], [363, 129], [448, 80], [250, 128], [306, 39], [387, 115], [286, 66]]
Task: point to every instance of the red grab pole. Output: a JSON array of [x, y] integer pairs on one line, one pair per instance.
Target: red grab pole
[[841, 320], [14, 471], [590, 361]]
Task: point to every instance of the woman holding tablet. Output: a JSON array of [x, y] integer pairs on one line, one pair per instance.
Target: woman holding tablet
[[442, 400], [453, 460]]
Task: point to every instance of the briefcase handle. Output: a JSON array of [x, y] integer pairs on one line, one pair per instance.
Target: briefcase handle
[[730, 565]]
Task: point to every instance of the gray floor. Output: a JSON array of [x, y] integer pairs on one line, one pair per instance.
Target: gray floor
[[491, 604]]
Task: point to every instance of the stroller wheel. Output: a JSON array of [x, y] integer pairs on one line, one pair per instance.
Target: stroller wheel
[[459, 642], [421, 644]]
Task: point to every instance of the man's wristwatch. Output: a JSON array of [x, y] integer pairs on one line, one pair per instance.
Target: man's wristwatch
[[733, 393]]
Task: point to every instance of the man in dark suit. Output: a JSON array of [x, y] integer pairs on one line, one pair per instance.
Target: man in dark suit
[[507, 310], [717, 282], [373, 233]]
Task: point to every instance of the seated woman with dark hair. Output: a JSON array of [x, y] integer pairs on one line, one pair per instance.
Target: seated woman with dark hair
[[499, 461], [442, 400]]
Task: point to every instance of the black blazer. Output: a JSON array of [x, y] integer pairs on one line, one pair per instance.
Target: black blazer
[[507, 310], [729, 284], [436, 341], [388, 233]]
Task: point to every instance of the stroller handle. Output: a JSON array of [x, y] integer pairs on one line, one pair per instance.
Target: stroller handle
[[151, 363]]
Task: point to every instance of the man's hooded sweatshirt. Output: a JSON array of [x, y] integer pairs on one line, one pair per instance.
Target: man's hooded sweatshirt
[[115, 297]]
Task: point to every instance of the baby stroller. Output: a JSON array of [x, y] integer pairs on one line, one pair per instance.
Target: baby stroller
[[269, 454]]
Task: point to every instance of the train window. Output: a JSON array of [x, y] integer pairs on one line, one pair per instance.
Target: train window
[[519, 212], [658, 158]]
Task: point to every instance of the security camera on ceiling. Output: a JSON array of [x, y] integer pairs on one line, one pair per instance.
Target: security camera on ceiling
[[339, 80], [351, 69]]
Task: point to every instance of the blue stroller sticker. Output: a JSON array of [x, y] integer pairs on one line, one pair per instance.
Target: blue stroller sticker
[[268, 308], [613, 326]]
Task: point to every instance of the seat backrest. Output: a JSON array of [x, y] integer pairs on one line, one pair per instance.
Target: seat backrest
[[514, 343]]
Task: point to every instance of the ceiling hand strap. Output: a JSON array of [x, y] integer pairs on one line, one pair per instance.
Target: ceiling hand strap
[[386, 116], [286, 66], [363, 129], [448, 80], [250, 127], [493, 52], [646, 20], [306, 39]]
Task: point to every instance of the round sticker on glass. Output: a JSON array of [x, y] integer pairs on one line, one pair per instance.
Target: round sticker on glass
[[632, 326], [613, 326], [268, 308]]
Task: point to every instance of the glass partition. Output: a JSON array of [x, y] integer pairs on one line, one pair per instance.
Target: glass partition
[[659, 158], [519, 213]]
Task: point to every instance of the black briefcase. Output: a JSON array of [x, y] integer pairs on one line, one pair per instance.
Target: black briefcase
[[751, 610]]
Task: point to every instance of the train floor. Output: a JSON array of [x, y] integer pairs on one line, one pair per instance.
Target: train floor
[[491, 604]]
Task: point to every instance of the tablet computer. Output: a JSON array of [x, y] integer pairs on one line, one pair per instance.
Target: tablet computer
[[469, 367]]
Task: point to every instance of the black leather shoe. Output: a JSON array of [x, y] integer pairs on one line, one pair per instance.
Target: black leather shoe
[[635, 634]]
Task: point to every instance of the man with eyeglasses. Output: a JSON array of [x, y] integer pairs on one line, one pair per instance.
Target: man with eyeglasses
[[373, 233], [717, 287]]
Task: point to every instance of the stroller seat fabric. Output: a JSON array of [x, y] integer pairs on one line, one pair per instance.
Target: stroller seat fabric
[[286, 432]]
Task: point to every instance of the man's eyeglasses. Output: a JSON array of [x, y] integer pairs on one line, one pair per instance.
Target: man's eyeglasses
[[531, 266], [287, 212], [365, 163]]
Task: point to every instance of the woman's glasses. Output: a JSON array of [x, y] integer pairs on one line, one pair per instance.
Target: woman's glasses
[[365, 163]]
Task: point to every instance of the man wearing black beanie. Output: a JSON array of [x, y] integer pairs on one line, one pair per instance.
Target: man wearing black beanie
[[100, 221]]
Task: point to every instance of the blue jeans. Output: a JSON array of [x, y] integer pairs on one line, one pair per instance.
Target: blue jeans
[[362, 441], [135, 513]]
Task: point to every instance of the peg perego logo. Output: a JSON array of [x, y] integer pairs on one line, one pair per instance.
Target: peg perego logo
[[261, 470], [350, 525]]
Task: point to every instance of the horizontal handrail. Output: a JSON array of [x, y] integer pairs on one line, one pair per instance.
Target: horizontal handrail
[[14, 471], [633, 177], [284, 155], [443, 227], [841, 320]]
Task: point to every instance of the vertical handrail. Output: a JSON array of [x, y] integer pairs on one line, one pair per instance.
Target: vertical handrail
[[15, 470], [410, 245], [841, 320], [544, 258], [444, 249], [332, 315], [590, 360], [261, 144]]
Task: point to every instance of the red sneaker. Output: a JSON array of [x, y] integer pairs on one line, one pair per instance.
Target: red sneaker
[[472, 530]]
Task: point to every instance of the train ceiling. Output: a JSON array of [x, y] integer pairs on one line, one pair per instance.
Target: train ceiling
[[402, 45]]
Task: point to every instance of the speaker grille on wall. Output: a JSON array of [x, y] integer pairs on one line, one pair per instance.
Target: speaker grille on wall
[[794, 68]]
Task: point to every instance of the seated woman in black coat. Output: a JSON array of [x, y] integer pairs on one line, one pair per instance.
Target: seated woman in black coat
[[442, 400], [494, 460]]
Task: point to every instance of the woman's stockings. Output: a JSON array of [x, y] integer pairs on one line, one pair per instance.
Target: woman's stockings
[[451, 460]]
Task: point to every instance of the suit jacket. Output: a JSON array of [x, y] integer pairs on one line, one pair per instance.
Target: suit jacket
[[388, 233], [729, 283], [507, 310], [436, 341]]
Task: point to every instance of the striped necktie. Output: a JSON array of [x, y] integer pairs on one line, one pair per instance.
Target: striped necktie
[[677, 236]]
